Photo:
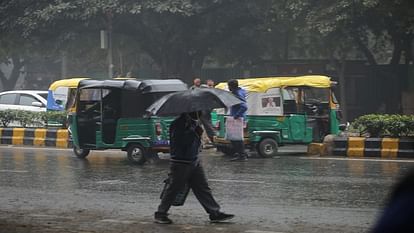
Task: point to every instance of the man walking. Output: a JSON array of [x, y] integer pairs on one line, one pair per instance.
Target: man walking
[[238, 111], [185, 168]]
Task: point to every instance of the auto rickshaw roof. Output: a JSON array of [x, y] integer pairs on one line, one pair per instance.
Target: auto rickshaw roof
[[265, 83], [145, 86], [162, 85], [68, 82]]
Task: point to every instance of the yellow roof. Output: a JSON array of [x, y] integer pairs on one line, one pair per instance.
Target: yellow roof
[[70, 82], [265, 83]]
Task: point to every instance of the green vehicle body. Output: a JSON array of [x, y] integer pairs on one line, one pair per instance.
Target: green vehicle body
[[111, 115], [287, 127], [129, 131]]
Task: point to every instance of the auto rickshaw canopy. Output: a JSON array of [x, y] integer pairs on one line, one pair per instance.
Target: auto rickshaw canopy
[[61, 93], [130, 97], [142, 86], [70, 82], [265, 83]]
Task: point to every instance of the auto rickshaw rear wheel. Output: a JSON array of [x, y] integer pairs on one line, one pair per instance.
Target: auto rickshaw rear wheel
[[267, 147], [80, 153], [136, 154]]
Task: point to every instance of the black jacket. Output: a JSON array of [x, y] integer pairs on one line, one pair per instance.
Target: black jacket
[[185, 138]]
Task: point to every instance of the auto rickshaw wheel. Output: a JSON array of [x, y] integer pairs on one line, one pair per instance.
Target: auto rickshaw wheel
[[136, 154], [267, 148], [80, 153]]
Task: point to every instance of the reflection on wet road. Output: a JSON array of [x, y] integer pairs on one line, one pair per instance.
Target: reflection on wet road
[[280, 193]]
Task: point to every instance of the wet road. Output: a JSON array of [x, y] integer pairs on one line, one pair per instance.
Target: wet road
[[49, 190]]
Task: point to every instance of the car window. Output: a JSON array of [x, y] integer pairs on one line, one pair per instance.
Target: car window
[[27, 100], [44, 95], [7, 98]]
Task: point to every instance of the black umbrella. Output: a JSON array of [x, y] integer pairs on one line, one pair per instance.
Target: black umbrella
[[193, 100]]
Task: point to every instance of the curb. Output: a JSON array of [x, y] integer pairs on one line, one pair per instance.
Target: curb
[[316, 149], [58, 138], [374, 147]]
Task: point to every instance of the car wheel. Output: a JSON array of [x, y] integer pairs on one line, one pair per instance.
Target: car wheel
[[136, 154], [80, 153], [267, 148]]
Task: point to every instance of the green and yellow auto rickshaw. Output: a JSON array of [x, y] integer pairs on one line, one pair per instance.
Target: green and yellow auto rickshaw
[[110, 114], [284, 110]]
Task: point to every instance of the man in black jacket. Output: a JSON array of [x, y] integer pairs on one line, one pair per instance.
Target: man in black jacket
[[185, 168]]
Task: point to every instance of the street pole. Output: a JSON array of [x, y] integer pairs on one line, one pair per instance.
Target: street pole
[[110, 62]]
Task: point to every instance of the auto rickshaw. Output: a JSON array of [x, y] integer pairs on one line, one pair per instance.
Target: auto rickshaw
[[61, 94], [111, 114], [284, 110], [60, 97]]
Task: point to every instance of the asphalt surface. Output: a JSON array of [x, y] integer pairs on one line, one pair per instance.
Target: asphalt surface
[[50, 190]]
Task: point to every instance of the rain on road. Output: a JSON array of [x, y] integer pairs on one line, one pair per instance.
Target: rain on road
[[50, 190]]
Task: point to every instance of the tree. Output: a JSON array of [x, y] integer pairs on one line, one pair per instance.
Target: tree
[[173, 33]]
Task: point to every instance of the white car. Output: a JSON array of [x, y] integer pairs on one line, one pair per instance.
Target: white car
[[29, 100]]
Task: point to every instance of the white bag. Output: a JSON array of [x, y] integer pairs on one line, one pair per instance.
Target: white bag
[[234, 129]]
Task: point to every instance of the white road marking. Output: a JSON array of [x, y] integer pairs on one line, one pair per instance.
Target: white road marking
[[145, 223], [35, 148], [238, 181], [189, 227], [14, 171], [117, 221], [362, 159], [111, 182], [56, 148], [50, 216], [257, 231]]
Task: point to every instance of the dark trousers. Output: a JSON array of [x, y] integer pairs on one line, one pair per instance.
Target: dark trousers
[[193, 174], [238, 147]]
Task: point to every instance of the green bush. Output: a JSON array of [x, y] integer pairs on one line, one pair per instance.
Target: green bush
[[7, 116], [33, 119], [380, 125], [54, 118], [25, 118]]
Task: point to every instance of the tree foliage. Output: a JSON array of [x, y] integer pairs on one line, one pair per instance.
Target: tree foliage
[[179, 35]]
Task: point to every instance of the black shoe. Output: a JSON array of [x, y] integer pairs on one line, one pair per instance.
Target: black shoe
[[219, 217], [162, 218], [241, 158]]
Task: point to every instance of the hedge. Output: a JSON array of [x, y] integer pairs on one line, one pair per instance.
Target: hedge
[[381, 125], [22, 118]]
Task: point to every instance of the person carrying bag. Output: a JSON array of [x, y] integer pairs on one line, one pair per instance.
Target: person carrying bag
[[186, 169]]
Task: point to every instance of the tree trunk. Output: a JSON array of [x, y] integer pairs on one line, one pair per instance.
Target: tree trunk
[[396, 54], [10, 82], [368, 54], [340, 67], [64, 64], [342, 83]]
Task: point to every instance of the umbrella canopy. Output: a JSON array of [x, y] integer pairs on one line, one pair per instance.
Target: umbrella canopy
[[193, 100]]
